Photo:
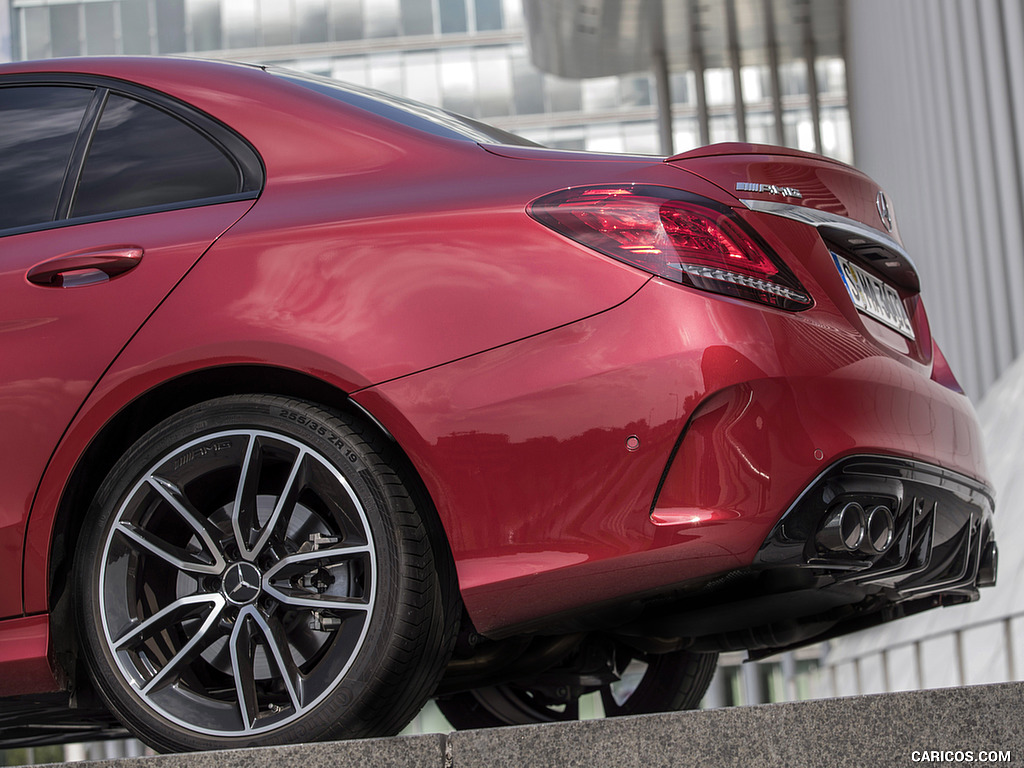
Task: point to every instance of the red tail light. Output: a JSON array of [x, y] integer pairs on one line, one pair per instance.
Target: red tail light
[[673, 234]]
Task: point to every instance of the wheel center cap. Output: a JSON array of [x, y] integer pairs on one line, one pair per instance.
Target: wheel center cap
[[241, 583]]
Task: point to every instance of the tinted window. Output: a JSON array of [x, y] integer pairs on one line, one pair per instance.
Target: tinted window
[[141, 156], [410, 113], [38, 126]]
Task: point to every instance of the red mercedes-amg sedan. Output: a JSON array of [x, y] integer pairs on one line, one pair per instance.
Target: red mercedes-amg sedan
[[318, 403]]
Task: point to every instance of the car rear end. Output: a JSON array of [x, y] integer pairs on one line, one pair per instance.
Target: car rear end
[[832, 453]]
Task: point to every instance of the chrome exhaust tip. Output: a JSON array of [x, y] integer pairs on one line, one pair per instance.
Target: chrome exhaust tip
[[989, 565], [843, 529], [879, 531]]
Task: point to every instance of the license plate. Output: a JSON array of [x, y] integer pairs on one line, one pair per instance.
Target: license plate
[[873, 297]]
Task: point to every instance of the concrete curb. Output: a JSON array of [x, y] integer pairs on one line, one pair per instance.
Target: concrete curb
[[949, 727], [872, 731]]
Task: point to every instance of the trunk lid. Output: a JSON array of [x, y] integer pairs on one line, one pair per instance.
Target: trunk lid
[[879, 283], [792, 177]]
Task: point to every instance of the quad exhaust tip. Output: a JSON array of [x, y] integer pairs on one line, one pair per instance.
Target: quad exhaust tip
[[843, 530], [849, 528], [879, 531], [989, 565]]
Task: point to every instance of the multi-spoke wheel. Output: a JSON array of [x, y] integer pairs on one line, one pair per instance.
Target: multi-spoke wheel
[[255, 571], [641, 684]]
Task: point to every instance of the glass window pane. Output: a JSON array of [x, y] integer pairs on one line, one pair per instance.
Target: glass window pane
[[453, 16], [141, 156], [563, 95], [642, 138], [239, 22], [798, 130], [793, 78], [528, 83], [684, 88], [346, 19], [600, 94], [204, 18], [761, 127], [311, 20], [635, 91], [64, 30], [836, 139], [350, 69], [417, 17], [458, 83], [605, 138], [685, 133], [99, 28], [495, 71], [276, 22], [488, 15], [831, 72], [722, 128], [38, 127], [381, 18], [37, 32], [512, 10], [135, 27], [567, 137], [422, 77], [170, 26], [756, 84], [386, 72], [719, 87]]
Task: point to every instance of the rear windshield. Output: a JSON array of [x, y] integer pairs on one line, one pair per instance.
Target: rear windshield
[[413, 114]]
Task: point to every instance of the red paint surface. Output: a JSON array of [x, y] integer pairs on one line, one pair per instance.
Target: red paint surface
[[24, 667]]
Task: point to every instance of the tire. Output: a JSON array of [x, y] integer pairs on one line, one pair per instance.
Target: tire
[[254, 571], [649, 683]]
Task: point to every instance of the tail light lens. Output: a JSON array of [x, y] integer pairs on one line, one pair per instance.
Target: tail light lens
[[673, 234], [942, 373]]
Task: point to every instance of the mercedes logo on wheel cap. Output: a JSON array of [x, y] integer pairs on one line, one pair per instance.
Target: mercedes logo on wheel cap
[[241, 583]]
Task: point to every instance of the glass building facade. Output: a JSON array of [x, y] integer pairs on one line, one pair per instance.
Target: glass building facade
[[472, 57]]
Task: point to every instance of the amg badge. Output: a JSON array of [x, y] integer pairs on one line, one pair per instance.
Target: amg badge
[[767, 189]]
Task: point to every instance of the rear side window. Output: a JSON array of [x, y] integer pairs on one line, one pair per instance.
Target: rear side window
[[142, 156], [409, 113], [38, 128]]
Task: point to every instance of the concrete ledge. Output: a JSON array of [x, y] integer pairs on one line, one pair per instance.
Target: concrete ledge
[[400, 752], [899, 729], [876, 731]]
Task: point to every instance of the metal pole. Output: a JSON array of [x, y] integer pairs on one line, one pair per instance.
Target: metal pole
[[734, 62], [810, 54], [662, 78], [773, 69], [753, 686], [664, 90], [697, 59]]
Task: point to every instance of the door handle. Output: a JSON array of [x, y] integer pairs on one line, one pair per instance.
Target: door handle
[[86, 267]]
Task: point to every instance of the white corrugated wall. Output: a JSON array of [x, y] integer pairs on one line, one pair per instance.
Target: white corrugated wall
[[937, 107], [937, 110]]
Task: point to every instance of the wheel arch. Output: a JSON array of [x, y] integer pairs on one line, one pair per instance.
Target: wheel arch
[[145, 412]]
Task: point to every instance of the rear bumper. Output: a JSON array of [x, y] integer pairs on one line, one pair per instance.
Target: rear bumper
[[736, 410]]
